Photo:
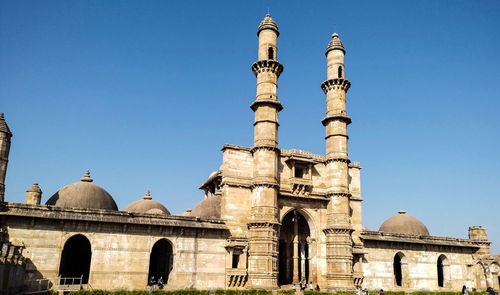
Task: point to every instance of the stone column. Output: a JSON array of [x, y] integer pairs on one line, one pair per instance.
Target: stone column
[[263, 225], [5, 136], [338, 230], [296, 278]]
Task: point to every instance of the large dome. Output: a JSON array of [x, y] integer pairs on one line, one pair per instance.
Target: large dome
[[84, 194], [403, 223], [208, 208], [146, 205]]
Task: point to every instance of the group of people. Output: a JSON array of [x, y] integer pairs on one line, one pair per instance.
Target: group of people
[[153, 282], [303, 286]]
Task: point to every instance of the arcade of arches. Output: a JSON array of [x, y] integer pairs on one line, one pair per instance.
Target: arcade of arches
[[294, 249]]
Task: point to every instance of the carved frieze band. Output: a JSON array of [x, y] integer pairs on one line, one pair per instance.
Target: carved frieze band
[[333, 84], [337, 117], [267, 66], [337, 159], [264, 183], [264, 147], [337, 230], [263, 224], [261, 102], [339, 194]]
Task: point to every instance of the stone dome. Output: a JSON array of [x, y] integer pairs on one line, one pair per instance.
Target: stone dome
[[146, 205], [335, 43], [403, 223], [83, 194], [268, 23], [208, 208]]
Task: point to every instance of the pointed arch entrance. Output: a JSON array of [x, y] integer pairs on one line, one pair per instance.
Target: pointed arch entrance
[[75, 259], [161, 260], [294, 249]]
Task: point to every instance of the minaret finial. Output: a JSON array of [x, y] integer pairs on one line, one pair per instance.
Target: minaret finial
[[148, 195], [86, 177]]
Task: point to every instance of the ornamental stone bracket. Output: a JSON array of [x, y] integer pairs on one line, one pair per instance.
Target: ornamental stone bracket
[[301, 186], [334, 84], [236, 277], [338, 230], [262, 66]]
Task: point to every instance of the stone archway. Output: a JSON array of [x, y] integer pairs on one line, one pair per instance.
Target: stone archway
[[161, 260], [75, 259], [294, 263]]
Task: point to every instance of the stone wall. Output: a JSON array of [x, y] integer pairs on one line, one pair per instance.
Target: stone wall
[[121, 250], [419, 266]]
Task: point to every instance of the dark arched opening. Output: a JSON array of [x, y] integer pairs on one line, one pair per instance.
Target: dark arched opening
[[270, 53], [340, 72], [161, 260], [440, 272], [398, 274], [75, 259], [294, 249]]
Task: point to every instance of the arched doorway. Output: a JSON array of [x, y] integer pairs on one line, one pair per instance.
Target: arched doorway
[[75, 259], [294, 252], [161, 260], [399, 267], [443, 271]]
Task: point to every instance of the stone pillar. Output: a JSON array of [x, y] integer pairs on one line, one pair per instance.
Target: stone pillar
[[263, 225], [5, 136], [296, 278], [34, 195], [338, 230]]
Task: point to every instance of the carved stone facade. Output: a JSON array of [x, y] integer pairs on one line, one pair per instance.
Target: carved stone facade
[[270, 217]]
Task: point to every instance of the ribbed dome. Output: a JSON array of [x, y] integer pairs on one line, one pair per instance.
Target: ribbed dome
[[84, 194], [146, 205], [208, 208], [335, 43], [268, 23], [403, 223]]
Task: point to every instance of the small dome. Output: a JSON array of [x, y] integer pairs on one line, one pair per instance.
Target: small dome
[[84, 194], [268, 23], [208, 208], [335, 43], [403, 223], [146, 205]]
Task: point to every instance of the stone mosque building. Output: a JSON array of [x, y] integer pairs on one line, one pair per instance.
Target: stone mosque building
[[270, 217]]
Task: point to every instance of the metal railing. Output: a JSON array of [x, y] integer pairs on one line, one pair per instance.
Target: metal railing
[[69, 284]]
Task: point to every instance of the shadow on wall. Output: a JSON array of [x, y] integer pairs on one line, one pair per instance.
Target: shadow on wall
[[17, 273]]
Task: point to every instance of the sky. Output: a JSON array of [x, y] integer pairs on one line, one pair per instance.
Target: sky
[[145, 93]]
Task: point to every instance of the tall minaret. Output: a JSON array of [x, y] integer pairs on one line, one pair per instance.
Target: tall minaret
[[263, 224], [5, 136], [338, 230]]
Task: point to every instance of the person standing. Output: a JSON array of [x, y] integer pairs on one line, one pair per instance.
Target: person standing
[[465, 291], [160, 283], [311, 286], [151, 284], [381, 292], [294, 288]]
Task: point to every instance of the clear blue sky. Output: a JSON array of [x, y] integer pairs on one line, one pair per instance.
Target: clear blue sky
[[145, 93]]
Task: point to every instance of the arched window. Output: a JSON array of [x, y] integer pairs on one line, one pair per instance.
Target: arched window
[[75, 259], [270, 53], [443, 270], [398, 272], [161, 260], [340, 71], [440, 272]]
